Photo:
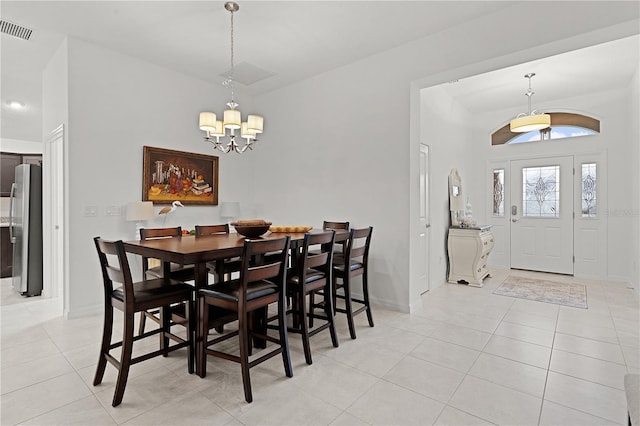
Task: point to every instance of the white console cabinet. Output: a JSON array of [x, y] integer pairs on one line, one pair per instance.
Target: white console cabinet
[[469, 250]]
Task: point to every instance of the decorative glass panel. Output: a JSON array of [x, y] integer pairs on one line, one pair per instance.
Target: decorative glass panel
[[589, 206], [541, 191], [498, 192]]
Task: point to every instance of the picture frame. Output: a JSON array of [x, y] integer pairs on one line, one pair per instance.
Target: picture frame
[[169, 175]]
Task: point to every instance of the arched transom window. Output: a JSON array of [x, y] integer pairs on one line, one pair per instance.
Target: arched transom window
[[563, 125]]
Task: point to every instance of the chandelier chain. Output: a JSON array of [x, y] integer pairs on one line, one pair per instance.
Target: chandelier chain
[[232, 58]]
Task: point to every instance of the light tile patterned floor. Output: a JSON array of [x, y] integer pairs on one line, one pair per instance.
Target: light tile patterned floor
[[466, 357]]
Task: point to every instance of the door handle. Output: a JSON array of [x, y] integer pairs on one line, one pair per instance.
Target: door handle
[[12, 238], [428, 226], [514, 220]]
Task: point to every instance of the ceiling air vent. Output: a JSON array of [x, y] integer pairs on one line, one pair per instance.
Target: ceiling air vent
[[15, 30]]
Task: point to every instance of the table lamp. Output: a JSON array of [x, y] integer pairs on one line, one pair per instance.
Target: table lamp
[[139, 212], [229, 210]]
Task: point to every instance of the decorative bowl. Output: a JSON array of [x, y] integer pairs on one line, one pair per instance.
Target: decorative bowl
[[251, 229]]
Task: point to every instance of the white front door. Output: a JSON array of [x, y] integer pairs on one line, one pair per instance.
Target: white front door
[[423, 231], [541, 213]]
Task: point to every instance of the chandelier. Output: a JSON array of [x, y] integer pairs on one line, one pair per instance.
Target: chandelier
[[531, 121], [232, 118]]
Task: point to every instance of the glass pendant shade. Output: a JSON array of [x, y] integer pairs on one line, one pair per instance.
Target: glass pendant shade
[[255, 123], [207, 121], [527, 123], [232, 119]]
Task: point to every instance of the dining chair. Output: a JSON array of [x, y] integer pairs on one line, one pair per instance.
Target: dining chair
[[259, 285], [177, 271], [337, 250], [313, 274], [353, 263], [338, 226], [222, 267], [133, 297]]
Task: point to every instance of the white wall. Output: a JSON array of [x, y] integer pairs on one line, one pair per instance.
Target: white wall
[[20, 146], [341, 146], [444, 127], [118, 104], [634, 140], [336, 146], [55, 112]]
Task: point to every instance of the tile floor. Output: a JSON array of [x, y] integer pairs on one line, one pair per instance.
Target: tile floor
[[467, 357]]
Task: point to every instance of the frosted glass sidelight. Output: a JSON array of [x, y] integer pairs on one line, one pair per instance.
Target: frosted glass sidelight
[[498, 192], [589, 204]]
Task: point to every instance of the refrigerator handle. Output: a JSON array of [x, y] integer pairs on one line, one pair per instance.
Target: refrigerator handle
[[12, 238]]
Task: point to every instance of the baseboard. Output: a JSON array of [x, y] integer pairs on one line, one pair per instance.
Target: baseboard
[[85, 311]]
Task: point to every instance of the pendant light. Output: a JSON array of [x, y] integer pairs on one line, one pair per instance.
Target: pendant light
[[232, 118], [532, 120]]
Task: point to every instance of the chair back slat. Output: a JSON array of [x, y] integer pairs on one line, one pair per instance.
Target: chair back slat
[[212, 229], [147, 233], [335, 225]]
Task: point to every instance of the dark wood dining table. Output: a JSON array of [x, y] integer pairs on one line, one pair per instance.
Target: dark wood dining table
[[198, 250]]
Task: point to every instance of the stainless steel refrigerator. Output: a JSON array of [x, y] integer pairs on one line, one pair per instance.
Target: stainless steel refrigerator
[[25, 229]]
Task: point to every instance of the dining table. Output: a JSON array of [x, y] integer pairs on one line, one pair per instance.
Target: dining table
[[198, 250]]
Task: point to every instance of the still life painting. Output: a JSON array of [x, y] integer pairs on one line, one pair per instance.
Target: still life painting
[[170, 175]]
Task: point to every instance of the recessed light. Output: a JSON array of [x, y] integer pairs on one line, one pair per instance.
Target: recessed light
[[15, 104]]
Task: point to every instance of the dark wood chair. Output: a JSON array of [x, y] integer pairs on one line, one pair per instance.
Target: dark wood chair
[[222, 267], [260, 284], [338, 249], [353, 263], [335, 225], [313, 274], [177, 272], [133, 297]]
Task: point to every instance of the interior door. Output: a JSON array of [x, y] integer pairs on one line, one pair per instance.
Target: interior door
[[542, 214], [423, 232]]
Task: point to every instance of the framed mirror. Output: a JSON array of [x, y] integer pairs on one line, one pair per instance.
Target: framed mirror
[[456, 199]]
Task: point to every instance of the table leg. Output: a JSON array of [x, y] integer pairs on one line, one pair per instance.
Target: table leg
[[201, 280]]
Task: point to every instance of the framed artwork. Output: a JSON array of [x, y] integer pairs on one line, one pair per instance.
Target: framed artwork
[[169, 175]]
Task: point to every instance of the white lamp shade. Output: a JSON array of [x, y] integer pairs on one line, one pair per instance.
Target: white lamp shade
[[229, 209], [232, 119], [255, 123], [139, 210], [246, 133], [528, 123], [219, 130], [207, 121]]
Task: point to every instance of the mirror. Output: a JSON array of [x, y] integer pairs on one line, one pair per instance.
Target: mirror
[[456, 200]]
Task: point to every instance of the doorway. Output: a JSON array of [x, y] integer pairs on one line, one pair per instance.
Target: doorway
[[542, 214], [53, 206]]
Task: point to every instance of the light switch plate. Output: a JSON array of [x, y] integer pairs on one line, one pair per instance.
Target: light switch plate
[[114, 211], [90, 211]]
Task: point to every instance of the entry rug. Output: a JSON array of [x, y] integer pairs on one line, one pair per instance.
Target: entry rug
[[567, 294]]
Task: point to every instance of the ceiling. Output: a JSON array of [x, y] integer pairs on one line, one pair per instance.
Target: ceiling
[[277, 43]]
